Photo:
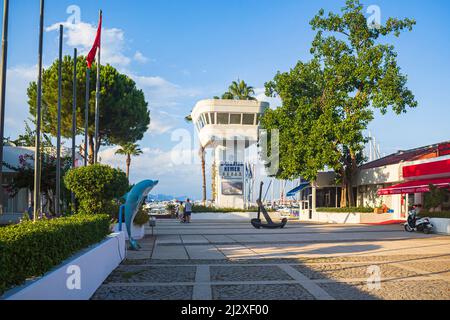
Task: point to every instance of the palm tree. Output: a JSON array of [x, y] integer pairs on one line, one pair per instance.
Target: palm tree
[[129, 150], [239, 90]]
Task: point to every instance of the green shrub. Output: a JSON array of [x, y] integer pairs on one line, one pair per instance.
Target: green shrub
[[30, 249], [436, 197], [442, 215], [141, 218], [346, 210], [96, 186], [171, 209]]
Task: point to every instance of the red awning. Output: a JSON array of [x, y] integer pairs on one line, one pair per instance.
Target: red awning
[[438, 169], [419, 186]]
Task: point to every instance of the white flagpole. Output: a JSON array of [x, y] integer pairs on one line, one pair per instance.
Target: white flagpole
[[97, 100]]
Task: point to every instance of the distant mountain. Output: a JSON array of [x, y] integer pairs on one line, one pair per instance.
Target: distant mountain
[[164, 197]]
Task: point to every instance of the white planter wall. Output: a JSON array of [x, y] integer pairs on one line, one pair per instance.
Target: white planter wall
[[339, 218], [441, 226], [346, 218], [89, 268], [137, 232]]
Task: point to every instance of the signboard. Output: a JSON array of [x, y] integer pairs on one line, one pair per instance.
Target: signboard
[[232, 171], [232, 175]]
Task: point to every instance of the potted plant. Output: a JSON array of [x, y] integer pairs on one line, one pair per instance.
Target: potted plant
[[138, 226], [171, 209]]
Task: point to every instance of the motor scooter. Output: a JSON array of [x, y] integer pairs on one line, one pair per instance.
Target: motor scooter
[[418, 224]]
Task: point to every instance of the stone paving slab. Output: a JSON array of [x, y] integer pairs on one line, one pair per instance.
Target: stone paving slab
[[219, 239], [245, 273], [170, 252], [192, 239], [207, 252], [161, 274], [144, 293], [339, 271], [391, 290], [168, 239], [237, 252], [261, 292]]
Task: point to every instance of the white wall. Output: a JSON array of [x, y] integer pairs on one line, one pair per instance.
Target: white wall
[[94, 266]]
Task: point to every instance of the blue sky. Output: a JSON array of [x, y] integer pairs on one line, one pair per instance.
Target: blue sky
[[183, 51]]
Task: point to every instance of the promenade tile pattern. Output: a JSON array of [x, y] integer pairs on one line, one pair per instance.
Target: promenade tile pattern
[[261, 292], [345, 271], [157, 274], [232, 261], [390, 290], [144, 293], [246, 273]]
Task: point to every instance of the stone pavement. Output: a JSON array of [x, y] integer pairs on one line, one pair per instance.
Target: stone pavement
[[224, 260]]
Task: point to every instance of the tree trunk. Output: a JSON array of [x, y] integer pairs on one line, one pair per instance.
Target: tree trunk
[[91, 150], [343, 189], [352, 173], [202, 155], [128, 166], [213, 178], [343, 196]]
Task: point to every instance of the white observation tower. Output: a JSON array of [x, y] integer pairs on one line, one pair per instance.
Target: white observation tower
[[229, 127]]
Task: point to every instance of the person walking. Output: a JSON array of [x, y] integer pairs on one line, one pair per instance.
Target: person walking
[[180, 212], [188, 210]]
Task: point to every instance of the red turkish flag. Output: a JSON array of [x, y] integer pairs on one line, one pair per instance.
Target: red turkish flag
[[91, 56]]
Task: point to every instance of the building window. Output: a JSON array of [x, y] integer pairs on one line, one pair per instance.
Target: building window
[[213, 118], [206, 118], [223, 118], [248, 119], [235, 118]]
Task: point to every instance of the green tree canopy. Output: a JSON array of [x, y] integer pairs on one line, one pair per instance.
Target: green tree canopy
[[124, 116], [329, 101]]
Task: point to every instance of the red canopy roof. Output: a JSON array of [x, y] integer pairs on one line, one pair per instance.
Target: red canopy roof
[[419, 186], [436, 168]]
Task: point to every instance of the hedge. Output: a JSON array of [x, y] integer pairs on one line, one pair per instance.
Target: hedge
[[442, 215], [30, 249], [346, 210]]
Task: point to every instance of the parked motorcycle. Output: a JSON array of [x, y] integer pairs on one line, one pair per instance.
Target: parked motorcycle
[[416, 223]]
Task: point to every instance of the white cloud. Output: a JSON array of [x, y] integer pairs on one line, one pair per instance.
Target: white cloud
[[162, 93], [82, 36], [17, 110], [158, 127], [139, 57], [261, 96]]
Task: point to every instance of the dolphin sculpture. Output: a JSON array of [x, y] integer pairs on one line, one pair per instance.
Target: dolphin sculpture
[[134, 200]]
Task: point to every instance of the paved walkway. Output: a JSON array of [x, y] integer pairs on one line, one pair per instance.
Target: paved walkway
[[230, 260]]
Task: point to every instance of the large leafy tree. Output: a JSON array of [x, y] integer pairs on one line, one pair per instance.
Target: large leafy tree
[[329, 101], [124, 116], [129, 150]]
